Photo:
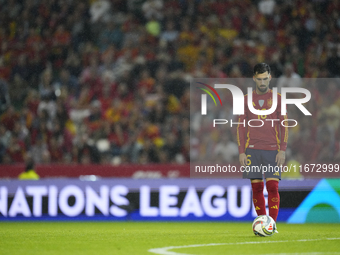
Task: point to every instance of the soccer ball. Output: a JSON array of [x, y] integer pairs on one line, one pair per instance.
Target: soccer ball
[[264, 225]]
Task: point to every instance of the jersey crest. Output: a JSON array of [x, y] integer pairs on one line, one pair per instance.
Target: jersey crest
[[269, 102], [261, 102]]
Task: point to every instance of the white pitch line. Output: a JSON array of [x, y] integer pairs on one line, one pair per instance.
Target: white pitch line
[[304, 253], [165, 250]]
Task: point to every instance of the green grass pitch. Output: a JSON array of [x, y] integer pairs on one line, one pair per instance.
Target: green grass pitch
[[141, 237]]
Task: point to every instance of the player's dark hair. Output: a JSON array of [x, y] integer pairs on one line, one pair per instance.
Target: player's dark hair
[[261, 68]]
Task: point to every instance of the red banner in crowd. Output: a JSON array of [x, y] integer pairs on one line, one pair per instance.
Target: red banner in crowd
[[126, 171]]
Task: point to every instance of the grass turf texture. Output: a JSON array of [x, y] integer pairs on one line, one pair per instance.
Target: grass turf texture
[[138, 237]]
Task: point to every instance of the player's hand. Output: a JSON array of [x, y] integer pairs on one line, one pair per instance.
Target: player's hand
[[280, 158], [243, 159]]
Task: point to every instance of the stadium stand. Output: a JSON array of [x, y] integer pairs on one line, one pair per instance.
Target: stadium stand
[[100, 82]]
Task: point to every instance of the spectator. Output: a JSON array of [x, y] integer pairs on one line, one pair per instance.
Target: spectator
[[153, 27], [30, 173], [5, 136], [56, 150], [112, 35], [4, 96], [333, 63], [87, 151], [289, 78], [21, 68], [9, 118], [99, 10], [18, 91], [170, 34], [46, 88], [226, 150], [266, 7], [68, 81], [39, 151], [171, 147], [153, 8], [15, 149]]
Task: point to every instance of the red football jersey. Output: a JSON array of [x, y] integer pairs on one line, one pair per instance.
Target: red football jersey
[[272, 135]]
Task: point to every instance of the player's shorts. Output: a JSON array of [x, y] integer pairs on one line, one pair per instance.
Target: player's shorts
[[261, 163]]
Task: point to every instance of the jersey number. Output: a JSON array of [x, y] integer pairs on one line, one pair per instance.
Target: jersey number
[[262, 116], [248, 160]]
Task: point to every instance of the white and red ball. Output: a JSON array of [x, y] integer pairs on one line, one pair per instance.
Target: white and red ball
[[264, 225]]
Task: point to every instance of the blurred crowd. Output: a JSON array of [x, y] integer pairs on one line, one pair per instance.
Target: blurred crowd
[[107, 81]]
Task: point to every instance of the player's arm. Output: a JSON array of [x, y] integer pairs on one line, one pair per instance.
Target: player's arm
[[281, 155], [241, 135]]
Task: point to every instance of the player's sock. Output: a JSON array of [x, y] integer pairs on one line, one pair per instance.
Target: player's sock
[[258, 198], [273, 198]]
